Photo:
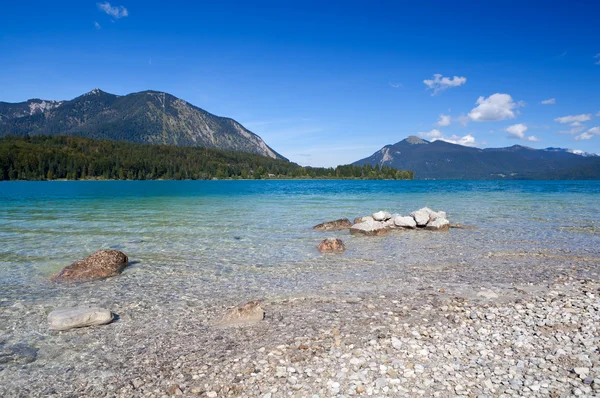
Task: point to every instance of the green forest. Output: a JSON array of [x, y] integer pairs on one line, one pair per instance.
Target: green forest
[[77, 158]]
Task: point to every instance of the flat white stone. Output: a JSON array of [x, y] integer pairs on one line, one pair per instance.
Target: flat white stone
[[78, 317], [405, 222]]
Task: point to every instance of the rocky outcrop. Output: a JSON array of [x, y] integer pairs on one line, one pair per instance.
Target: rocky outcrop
[[249, 313], [100, 265], [342, 223], [78, 317], [370, 228], [382, 221], [331, 246]]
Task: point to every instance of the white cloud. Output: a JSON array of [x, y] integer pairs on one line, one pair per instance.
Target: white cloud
[[440, 83], [97, 25], [435, 135], [432, 135], [517, 131], [549, 101], [588, 134], [584, 136], [598, 58], [467, 140], [463, 120], [115, 12], [444, 120], [573, 131], [495, 107], [575, 124], [396, 85], [573, 118]]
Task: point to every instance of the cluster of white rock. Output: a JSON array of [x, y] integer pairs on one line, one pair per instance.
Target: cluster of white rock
[[382, 221]]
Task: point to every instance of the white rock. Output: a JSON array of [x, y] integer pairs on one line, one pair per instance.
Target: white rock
[[382, 216], [78, 317], [438, 224], [396, 343], [488, 294], [369, 228], [421, 216], [405, 222]]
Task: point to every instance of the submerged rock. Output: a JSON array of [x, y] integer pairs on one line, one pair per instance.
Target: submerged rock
[[78, 317], [331, 246], [371, 228], [342, 223], [358, 220], [405, 222], [439, 224], [249, 313], [102, 264]]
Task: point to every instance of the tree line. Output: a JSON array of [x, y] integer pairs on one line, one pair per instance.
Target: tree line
[[77, 158]]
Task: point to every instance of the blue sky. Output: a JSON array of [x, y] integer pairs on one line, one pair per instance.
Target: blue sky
[[328, 82]]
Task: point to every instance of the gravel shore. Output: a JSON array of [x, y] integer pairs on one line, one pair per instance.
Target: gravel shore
[[530, 340]]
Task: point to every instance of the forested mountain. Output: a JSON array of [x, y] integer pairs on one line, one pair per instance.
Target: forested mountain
[[443, 160], [69, 157], [147, 117]]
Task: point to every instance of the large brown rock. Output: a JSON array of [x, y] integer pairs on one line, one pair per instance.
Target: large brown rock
[[342, 223], [332, 246], [249, 313], [100, 265]]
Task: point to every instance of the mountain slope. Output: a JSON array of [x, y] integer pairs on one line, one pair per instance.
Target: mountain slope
[[146, 117], [443, 160]]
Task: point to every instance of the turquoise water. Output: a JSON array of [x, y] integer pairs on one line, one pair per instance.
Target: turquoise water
[[252, 237]]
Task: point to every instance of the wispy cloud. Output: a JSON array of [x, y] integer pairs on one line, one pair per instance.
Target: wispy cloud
[[115, 12], [598, 59], [588, 134], [517, 131], [549, 101], [396, 85], [440, 83], [574, 118], [435, 135], [97, 25], [444, 120], [493, 108]]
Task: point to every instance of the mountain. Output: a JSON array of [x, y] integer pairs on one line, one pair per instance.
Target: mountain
[[150, 117], [443, 160]]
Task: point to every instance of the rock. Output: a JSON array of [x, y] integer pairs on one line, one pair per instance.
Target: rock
[[249, 313], [382, 216], [331, 246], [78, 317], [421, 217], [371, 228], [342, 223], [175, 390], [405, 222], [358, 220], [396, 343], [439, 224], [102, 264]]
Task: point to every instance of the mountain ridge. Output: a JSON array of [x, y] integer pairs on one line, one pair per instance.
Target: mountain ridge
[[444, 160], [149, 116]]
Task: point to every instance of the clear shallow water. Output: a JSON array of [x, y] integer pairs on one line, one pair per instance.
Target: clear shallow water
[[252, 237]]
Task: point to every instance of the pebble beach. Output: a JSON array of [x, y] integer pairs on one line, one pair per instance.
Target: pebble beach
[[493, 311]]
